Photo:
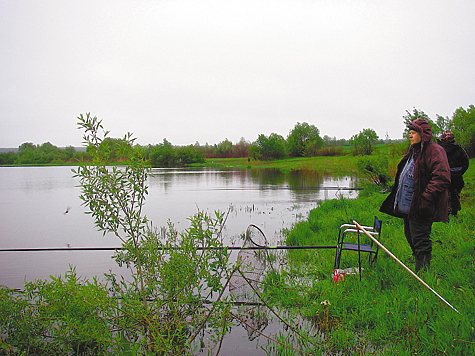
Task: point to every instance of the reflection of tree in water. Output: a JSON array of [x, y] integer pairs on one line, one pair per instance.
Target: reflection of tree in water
[[267, 176], [293, 179], [305, 179]]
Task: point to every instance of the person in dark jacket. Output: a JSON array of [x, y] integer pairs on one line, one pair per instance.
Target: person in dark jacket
[[420, 192], [458, 162]]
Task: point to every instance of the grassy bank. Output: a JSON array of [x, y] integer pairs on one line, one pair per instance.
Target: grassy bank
[[324, 165], [388, 312]]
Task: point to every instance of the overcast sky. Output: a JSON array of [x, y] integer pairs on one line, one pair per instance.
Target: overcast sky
[[205, 70]]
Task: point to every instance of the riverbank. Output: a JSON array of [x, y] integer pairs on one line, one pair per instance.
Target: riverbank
[[344, 165], [387, 312], [339, 165]]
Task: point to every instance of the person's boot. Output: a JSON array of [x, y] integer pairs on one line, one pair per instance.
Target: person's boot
[[419, 264], [427, 259], [423, 262]]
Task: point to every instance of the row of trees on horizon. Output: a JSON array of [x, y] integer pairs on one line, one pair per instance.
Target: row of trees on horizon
[[303, 140]]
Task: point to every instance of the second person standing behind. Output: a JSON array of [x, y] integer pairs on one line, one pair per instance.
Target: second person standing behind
[[458, 162]]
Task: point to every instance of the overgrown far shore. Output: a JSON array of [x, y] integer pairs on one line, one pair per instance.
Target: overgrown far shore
[[322, 164]]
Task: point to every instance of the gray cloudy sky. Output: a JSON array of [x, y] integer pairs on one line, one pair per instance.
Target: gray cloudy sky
[[206, 70]]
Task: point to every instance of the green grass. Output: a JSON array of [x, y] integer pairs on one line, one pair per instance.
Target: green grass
[[389, 311], [324, 165]]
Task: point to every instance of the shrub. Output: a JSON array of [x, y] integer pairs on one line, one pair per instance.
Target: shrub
[[375, 168], [161, 311]]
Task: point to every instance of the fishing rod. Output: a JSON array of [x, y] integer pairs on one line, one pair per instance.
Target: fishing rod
[[359, 227], [311, 247]]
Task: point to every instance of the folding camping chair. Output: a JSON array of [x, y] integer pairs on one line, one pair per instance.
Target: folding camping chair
[[371, 248]]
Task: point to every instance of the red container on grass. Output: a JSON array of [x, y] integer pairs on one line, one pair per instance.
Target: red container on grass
[[338, 275]]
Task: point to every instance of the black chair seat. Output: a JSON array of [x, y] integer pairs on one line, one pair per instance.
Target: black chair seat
[[354, 247]]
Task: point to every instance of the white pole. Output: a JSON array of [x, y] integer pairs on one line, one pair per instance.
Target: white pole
[[359, 227]]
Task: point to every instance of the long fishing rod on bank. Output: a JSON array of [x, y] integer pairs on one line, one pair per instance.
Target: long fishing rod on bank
[[359, 227]]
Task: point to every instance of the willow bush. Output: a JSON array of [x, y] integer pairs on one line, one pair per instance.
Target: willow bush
[[163, 310]]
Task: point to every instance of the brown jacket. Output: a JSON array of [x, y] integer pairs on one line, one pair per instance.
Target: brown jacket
[[431, 179]]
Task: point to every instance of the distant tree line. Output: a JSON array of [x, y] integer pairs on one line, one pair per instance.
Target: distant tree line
[[46, 153], [303, 140]]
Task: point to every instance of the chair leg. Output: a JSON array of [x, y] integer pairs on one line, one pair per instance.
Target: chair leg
[[337, 258], [359, 265], [359, 257]]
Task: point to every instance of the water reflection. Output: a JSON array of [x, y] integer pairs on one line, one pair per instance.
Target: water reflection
[[34, 199], [269, 198]]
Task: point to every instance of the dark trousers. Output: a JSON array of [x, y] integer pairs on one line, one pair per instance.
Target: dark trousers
[[454, 201], [455, 188], [418, 236]]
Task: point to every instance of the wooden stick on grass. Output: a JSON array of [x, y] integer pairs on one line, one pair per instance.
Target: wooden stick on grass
[[358, 226]]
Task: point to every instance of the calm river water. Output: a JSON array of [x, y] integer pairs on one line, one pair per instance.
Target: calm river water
[[34, 202]]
